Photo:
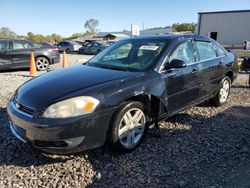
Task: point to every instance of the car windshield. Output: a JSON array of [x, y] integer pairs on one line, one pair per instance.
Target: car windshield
[[130, 55]]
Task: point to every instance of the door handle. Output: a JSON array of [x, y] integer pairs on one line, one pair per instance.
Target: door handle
[[195, 70]]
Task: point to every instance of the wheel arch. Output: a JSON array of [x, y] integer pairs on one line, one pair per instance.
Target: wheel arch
[[230, 75]]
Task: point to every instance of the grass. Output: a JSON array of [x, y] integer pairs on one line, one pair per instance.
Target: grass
[[242, 53]]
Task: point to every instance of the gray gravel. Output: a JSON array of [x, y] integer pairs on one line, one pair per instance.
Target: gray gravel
[[203, 146]]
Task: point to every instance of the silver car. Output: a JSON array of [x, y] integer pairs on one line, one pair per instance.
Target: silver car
[[69, 46]]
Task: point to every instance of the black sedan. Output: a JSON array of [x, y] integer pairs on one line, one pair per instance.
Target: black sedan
[[16, 54], [120, 92]]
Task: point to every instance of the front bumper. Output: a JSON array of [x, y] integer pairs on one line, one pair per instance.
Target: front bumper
[[59, 135], [55, 59]]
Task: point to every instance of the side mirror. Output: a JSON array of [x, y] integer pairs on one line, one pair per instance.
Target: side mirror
[[176, 63]]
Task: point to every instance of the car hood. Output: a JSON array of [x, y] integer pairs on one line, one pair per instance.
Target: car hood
[[50, 87]]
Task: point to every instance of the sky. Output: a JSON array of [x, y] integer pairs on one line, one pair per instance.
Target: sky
[[66, 17]]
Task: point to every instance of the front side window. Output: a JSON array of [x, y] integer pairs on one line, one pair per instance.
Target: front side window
[[184, 52], [206, 50], [134, 55], [3, 45]]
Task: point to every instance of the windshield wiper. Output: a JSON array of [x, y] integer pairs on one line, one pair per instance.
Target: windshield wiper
[[109, 67]]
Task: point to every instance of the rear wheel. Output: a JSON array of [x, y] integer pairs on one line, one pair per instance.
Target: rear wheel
[[223, 93], [42, 63], [130, 127], [68, 51]]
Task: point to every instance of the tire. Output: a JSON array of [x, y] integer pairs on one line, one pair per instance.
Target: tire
[[223, 93], [127, 133], [81, 52], [42, 63], [68, 51]]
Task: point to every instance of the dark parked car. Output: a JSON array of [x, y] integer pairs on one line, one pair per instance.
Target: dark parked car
[[16, 54], [69, 46], [93, 48], [120, 92]]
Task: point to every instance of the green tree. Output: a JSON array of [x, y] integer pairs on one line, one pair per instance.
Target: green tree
[[91, 25], [5, 32], [76, 35], [184, 27], [30, 36], [56, 38]]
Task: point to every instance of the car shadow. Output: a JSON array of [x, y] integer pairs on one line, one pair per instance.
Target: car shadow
[[188, 150], [14, 70]]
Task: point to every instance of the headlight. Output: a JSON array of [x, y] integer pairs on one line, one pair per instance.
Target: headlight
[[71, 107]]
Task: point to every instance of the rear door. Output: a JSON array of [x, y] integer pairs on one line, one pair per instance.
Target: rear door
[[5, 58], [87, 49], [181, 83], [211, 67], [20, 53], [94, 47]]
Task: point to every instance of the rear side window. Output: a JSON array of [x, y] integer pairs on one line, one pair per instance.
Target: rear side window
[[220, 50], [35, 45], [206, 50], [3, 45], [21, 45], [95, 44], [184, 52]]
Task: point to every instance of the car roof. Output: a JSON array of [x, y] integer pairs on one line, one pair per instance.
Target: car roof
[[12, 39], [172, 37]]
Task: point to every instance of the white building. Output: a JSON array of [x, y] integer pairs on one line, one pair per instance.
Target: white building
[[229, 28]]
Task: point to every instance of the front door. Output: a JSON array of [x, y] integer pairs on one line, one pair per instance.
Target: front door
[[181, 83]]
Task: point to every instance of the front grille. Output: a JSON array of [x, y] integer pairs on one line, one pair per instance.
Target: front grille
[[19, 132], [24, 108]]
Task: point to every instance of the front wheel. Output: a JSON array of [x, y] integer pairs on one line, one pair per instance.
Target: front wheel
[[223, 93], [42, 63], [129, 127]]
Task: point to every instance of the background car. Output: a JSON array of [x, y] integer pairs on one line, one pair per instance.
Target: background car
[[16, 54], [93, 48], [68, 46]]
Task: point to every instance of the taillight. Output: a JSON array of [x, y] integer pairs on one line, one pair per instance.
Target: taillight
[[55, 49]]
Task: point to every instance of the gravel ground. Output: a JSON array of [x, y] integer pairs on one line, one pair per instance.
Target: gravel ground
[[201, 147]]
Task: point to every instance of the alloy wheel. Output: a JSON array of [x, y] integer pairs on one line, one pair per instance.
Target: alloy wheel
[[132, 127], [224, 91], [42, 63]]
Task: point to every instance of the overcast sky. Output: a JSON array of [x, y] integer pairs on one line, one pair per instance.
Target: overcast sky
[[66, 17]]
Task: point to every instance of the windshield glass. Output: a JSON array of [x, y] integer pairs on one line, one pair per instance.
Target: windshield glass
[[130, 55]]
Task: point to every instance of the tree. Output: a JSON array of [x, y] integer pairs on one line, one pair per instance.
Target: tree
[[91, 24], [75, 35], [5, 32], [184, 27], [56, 38], [30, 36]]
